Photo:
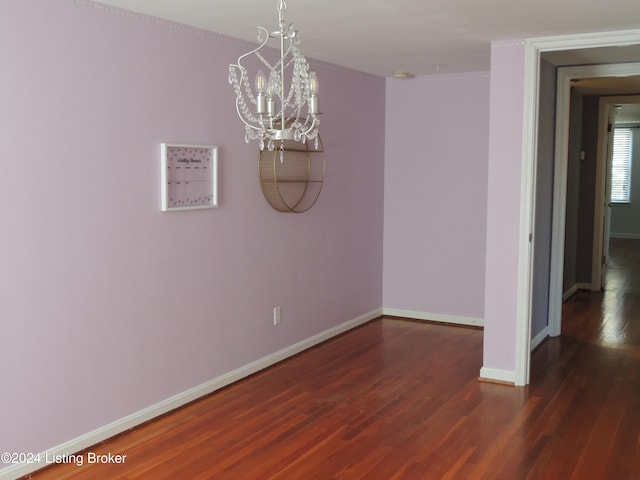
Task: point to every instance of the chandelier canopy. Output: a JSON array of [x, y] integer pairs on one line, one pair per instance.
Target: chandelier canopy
[[277, 108]]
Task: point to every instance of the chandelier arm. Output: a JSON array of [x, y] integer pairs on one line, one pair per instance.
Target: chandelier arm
[[266, 40], [302, 126], [241, 106], [311, 127], [242, 117], [240, 67]]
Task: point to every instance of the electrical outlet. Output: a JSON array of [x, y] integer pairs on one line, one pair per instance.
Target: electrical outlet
[[276, 316]]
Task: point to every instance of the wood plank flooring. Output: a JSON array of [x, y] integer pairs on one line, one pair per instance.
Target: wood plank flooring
[[397, 399]]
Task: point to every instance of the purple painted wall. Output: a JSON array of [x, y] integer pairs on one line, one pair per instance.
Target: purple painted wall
[[503, 207], [436, 194], [110, 305]]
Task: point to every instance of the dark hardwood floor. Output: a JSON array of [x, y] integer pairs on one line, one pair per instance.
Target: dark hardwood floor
[[398, 399]]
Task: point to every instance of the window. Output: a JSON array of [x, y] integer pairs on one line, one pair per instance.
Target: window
[[621, 166]]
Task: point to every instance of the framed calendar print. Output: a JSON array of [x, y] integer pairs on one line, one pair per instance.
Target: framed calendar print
[[189, 176]]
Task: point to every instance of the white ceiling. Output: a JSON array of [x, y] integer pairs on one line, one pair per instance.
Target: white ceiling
[[618, 86], [628, 113], [382, 36]]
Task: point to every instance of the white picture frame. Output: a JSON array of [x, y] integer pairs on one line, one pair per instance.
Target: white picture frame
[[189, 176]]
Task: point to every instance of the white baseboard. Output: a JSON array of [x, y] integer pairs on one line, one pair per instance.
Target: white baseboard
[[587, 286], [99, 435], [537, 340], [569, 292], [496, 375], [575, 288], [434, 317]]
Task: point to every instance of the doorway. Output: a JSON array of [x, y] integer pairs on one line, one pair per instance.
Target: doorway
[[600, 45], [614, 112], [567, 76]]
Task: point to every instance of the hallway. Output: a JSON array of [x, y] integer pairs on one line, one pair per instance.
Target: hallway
[[610, 318], [591, 374]]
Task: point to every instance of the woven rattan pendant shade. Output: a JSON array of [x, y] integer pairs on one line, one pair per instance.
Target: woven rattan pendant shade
[[291, 177]]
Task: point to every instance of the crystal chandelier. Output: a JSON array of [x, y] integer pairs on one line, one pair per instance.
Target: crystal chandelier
[[275, 110]]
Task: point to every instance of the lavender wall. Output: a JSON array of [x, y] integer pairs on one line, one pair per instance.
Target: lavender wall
[[435, 194], [503, 205], [110, 305]]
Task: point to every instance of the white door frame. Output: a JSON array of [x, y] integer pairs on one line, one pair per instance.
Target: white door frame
[[565, 76], [533, 49], [606, 120]]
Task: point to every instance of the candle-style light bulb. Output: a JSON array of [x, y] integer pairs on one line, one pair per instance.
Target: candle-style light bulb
[[314, 86], [261, 82], [261, 86]]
